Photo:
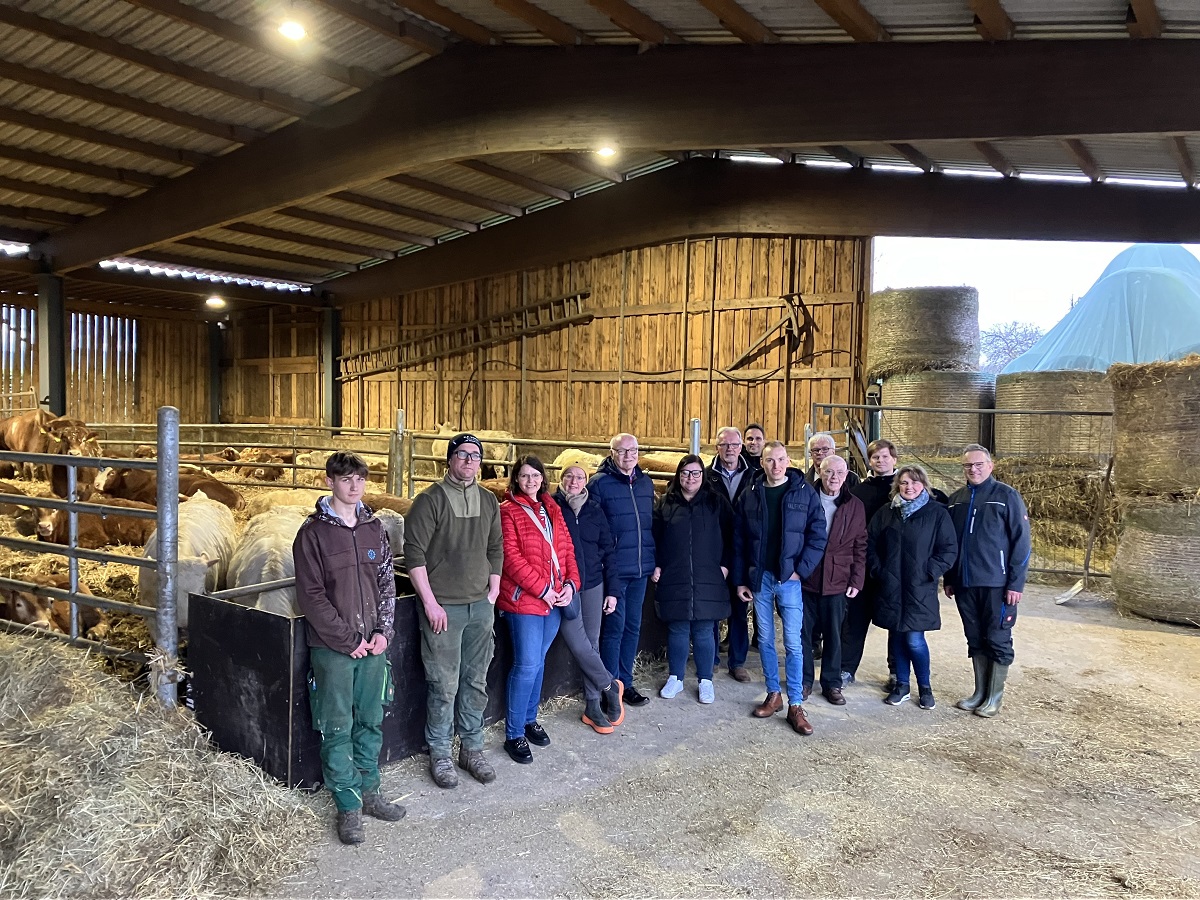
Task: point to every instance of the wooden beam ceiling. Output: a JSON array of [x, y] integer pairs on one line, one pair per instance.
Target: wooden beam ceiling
[[1142, 19], [702, 198], [194, 288], [308, 240], [992, 20], [166, 257], [587, 162], [450, 20], [1083, 158], [1178, 149], [738, 22], [50, 161], [408, 33], [38, 216], [37, 189], [524, 181], [18, 235], [311, 262], [916, 157], [13, 116], [537, 18], [408, 212], [266, 97], [461, 104], [320, 218], [636, 22], [250, 37], [845, 154], [995, 158], [449, 193], [853, 18], [386, 206]]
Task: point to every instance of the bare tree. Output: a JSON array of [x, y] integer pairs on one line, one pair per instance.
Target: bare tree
[[1001, 344]]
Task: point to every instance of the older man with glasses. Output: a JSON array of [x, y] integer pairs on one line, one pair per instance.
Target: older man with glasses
[[821, 446], [989, 577], [626, 494], [730, 474]]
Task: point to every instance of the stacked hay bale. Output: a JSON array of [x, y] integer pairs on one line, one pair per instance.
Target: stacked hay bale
[[1156, 572], [1064, 435], [937, 434]]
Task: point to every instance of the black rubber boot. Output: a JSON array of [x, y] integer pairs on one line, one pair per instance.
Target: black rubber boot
[[995, 697], [594, 716], [981, 665]]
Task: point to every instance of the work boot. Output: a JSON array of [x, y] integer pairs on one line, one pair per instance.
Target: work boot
[[443, 772], [995, 696], [798, 721], [350, 827], [476, 765], [612, 704], [377, 808], [980, 663], [594, 716], [770, 706]]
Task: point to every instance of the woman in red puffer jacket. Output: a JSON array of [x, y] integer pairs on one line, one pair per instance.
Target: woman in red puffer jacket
[[538, 580]]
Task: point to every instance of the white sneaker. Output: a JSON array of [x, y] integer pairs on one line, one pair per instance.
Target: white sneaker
[[707, 694], [671, 688]]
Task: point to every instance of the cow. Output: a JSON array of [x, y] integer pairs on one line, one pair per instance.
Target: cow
[[264, 554], [387, 501], [26, 433], [74, 438], [207, 537], [27, 608], [98, 530], [142, 485], [271, 499], [259, 464]]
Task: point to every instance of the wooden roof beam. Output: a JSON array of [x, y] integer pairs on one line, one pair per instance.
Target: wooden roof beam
[[524, 181], [586, 162], [845, 154], [540, 20], [38, 216], [917, 158], [738, 22], [1083, 158], [18, 235], [36, 189], [189, 158], [441, 190], [193, 287], [308, 240], [50, 161], [237, 134], [392, 234], [393, 209], [1142, 19], [854, 19], [265, 97], [1178, 149], [396, 209], [629, 18], [248, 270], [450, 20], [784, 156], [313, 262], [249, 37], [992, 20], [995, 158], [408, 33]]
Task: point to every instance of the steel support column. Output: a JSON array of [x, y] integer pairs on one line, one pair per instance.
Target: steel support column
[[52, 344]]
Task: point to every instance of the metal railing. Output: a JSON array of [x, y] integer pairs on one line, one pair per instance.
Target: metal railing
[[14, 402]]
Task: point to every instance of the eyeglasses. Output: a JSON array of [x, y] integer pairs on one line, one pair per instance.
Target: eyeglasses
[[631, 451], [970, 466], [464, 456], [690, 473], [820, 450], [729, 446]]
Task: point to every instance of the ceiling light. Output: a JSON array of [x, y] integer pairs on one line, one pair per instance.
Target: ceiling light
[[606, 152], [293, 30], [215, 302]]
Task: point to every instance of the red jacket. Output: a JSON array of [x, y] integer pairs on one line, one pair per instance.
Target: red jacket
[[526, 575], [844, 564]]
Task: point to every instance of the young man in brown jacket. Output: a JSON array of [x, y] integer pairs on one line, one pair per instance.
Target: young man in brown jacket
[[839, 576], [346, 588]]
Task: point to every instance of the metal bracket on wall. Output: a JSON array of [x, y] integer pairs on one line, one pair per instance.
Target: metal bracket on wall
[[798, 325], [525, 321]]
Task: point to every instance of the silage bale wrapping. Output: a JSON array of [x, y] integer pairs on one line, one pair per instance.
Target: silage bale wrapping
[[1156, 573], [922, 329], [1157, 426]]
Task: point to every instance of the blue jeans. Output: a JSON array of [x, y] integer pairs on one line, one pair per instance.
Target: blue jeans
[[621, 630], [910, 649], [696, 636], [788, 598], [531, 638]]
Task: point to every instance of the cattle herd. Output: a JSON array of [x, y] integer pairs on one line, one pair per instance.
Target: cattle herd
[[217, 549]]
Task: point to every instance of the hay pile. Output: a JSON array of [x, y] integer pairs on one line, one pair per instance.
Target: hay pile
[[1054, 435], [1156, 572], [1157, 426], [922, 329], [107, 796], [935, 433]]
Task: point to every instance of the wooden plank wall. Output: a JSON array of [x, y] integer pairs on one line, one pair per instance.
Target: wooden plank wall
[[171, 370], [669, 321], [273, 373]]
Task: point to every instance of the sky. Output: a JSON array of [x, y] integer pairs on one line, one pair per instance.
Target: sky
[[1026, 281]]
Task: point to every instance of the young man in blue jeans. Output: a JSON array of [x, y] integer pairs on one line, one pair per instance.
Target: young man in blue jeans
[[779, 539], [350, 609]]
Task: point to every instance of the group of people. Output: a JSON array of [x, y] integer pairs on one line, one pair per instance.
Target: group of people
[[747, 535]]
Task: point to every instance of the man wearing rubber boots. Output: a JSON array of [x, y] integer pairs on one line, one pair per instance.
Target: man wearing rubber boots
[[989, 576]]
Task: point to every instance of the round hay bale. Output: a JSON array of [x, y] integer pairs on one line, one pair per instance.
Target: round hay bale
[[937, 434], [922, 330], [1054, 435], [1156, 572], [1156, 426]]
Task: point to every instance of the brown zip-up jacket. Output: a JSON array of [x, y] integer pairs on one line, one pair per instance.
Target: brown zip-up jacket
[[345, 582]]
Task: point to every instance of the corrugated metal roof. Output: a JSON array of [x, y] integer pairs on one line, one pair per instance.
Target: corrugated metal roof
[[1134, 157], [392, 194]]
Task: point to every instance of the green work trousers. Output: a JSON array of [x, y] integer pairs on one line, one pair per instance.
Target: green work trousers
[[347, 697], [456, 666]]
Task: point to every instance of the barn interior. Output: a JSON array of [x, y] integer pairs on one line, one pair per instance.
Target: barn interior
[[560, 220]]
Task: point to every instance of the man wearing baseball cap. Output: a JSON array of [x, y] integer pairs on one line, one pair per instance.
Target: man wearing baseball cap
[[454, 550]]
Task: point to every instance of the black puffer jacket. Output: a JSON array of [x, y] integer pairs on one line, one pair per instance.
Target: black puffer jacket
[[906, 557], [594, 545], [803, 539], [693, 540]]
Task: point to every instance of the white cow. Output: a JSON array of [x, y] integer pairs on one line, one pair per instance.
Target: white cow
[[296, 497], [207, 537]]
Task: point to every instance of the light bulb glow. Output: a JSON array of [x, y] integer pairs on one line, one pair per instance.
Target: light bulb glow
[[293, 30], [215, 302], [606, 152]]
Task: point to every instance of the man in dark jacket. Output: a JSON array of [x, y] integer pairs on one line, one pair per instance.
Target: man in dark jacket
[[821, 446], [730, 475], [839, 576], [779, 538], [989, 577], [626, 495], [349, 613]]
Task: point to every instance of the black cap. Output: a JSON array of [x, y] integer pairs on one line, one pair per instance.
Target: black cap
[[458, 440]]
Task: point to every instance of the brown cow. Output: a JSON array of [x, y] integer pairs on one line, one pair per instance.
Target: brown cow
[[27, 608], [26, 433], [386, 501], [98, 530], [72, 437], [142, 485], [263, 465]]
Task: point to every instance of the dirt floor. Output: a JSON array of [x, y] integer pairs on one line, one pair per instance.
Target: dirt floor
[[1087, 784]]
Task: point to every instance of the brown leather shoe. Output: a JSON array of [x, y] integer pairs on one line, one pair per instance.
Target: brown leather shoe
[[798, 720], [740, 673], [770, 706], [834, 696]]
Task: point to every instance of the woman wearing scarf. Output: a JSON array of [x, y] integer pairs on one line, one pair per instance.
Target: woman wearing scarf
[[538, 580], [594, 548], [910, 545]]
